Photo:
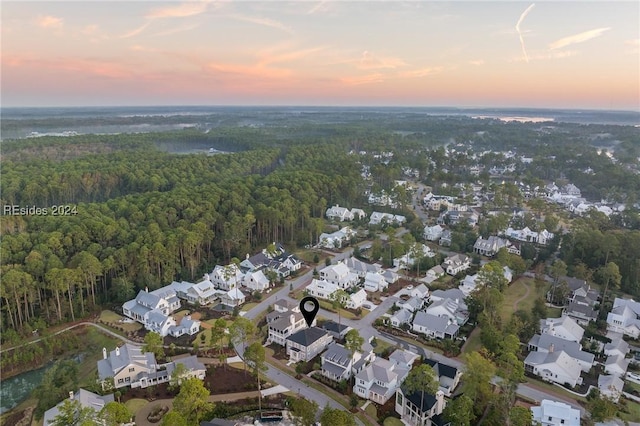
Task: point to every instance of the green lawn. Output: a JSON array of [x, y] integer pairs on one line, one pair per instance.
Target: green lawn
[[248, 306], [392, 421], [135, 404], [112, 319], [371, 410], [517, 290], [634, 412], [381, 346], [473, 343]]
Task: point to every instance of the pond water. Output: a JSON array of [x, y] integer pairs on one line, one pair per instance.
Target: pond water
[[16, 389]]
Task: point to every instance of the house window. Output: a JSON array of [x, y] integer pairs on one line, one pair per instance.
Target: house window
[[127, 379], [132, 369], [562, 421], [120, 380]]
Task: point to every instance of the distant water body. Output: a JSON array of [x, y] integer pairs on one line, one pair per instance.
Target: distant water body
[[161, 118]]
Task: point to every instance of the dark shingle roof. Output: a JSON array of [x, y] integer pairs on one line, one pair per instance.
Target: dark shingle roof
[[442, 369], [307, 336]]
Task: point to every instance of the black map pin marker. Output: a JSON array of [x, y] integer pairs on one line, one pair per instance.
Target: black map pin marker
[[309, 313]]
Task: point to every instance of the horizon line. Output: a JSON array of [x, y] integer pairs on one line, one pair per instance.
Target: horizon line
[[321, 106]]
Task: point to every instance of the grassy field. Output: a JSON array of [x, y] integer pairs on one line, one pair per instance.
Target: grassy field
[[473, 343], [381, 346], [94, 341], [135, 404], [634, 412], [392, 421], [248, 306], [516, 292], [371, 410], [112, 319]]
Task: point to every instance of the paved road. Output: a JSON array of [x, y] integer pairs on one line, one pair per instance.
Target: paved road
[[98, 326]]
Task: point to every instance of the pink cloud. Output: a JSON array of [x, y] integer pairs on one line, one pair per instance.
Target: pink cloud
[[423, 72], [578, 38], [181, 11], [368, 61], [363, 79], [49, 21]]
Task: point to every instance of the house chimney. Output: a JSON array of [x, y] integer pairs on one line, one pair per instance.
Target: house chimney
[[71, 395], [551, 347], [146, 289], [104, 353], [439, 402], [117, 351], [247, 256]]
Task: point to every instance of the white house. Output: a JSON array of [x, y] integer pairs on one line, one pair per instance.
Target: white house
[[456, 263], [359, 267], [556, 366], [85, 398], [340, 275], [403, 316], [337, 362], [339, 213], [233, 298], [625, 317], [225, 277], [448, 376], [255, 281], [434, 326], [357, 299], [305, 344], [416, 252], [610, 386], [336, 239], [321, 289], [433, 233], [554, 413], [455, 310], [617, 346], [564, 327], [433, 274], [375, 282], [127, 365], [154, 309], [616, 365], [379, 380], [420, 291], [547, 343], [416, 409], [378, 218], [490, 246], [289, 323], [202, 293], [412, 305]]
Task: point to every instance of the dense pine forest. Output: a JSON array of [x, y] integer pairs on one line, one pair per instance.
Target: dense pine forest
[[147, 215]]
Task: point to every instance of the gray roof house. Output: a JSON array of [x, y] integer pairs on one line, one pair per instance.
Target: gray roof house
[[548, 343], [403, 316], [86, 399], [434, 326], [305, 344], [337, 362]]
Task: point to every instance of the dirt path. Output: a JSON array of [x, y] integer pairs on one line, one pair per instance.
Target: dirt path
[[515, 304]]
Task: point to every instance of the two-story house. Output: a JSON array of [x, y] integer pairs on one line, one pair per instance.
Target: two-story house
[[379, 380], [340, 275], [337, 362], [321, 289], [305, 344], [563, 327], [554, 366], [448, 376], [225, 277], [416, 409], [285, 326], [433, 233], [625, 317], [456, 263], [85, 398], [553, 413], [375, 282]]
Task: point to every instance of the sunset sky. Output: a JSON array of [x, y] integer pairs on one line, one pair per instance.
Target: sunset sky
[[577, 54]]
